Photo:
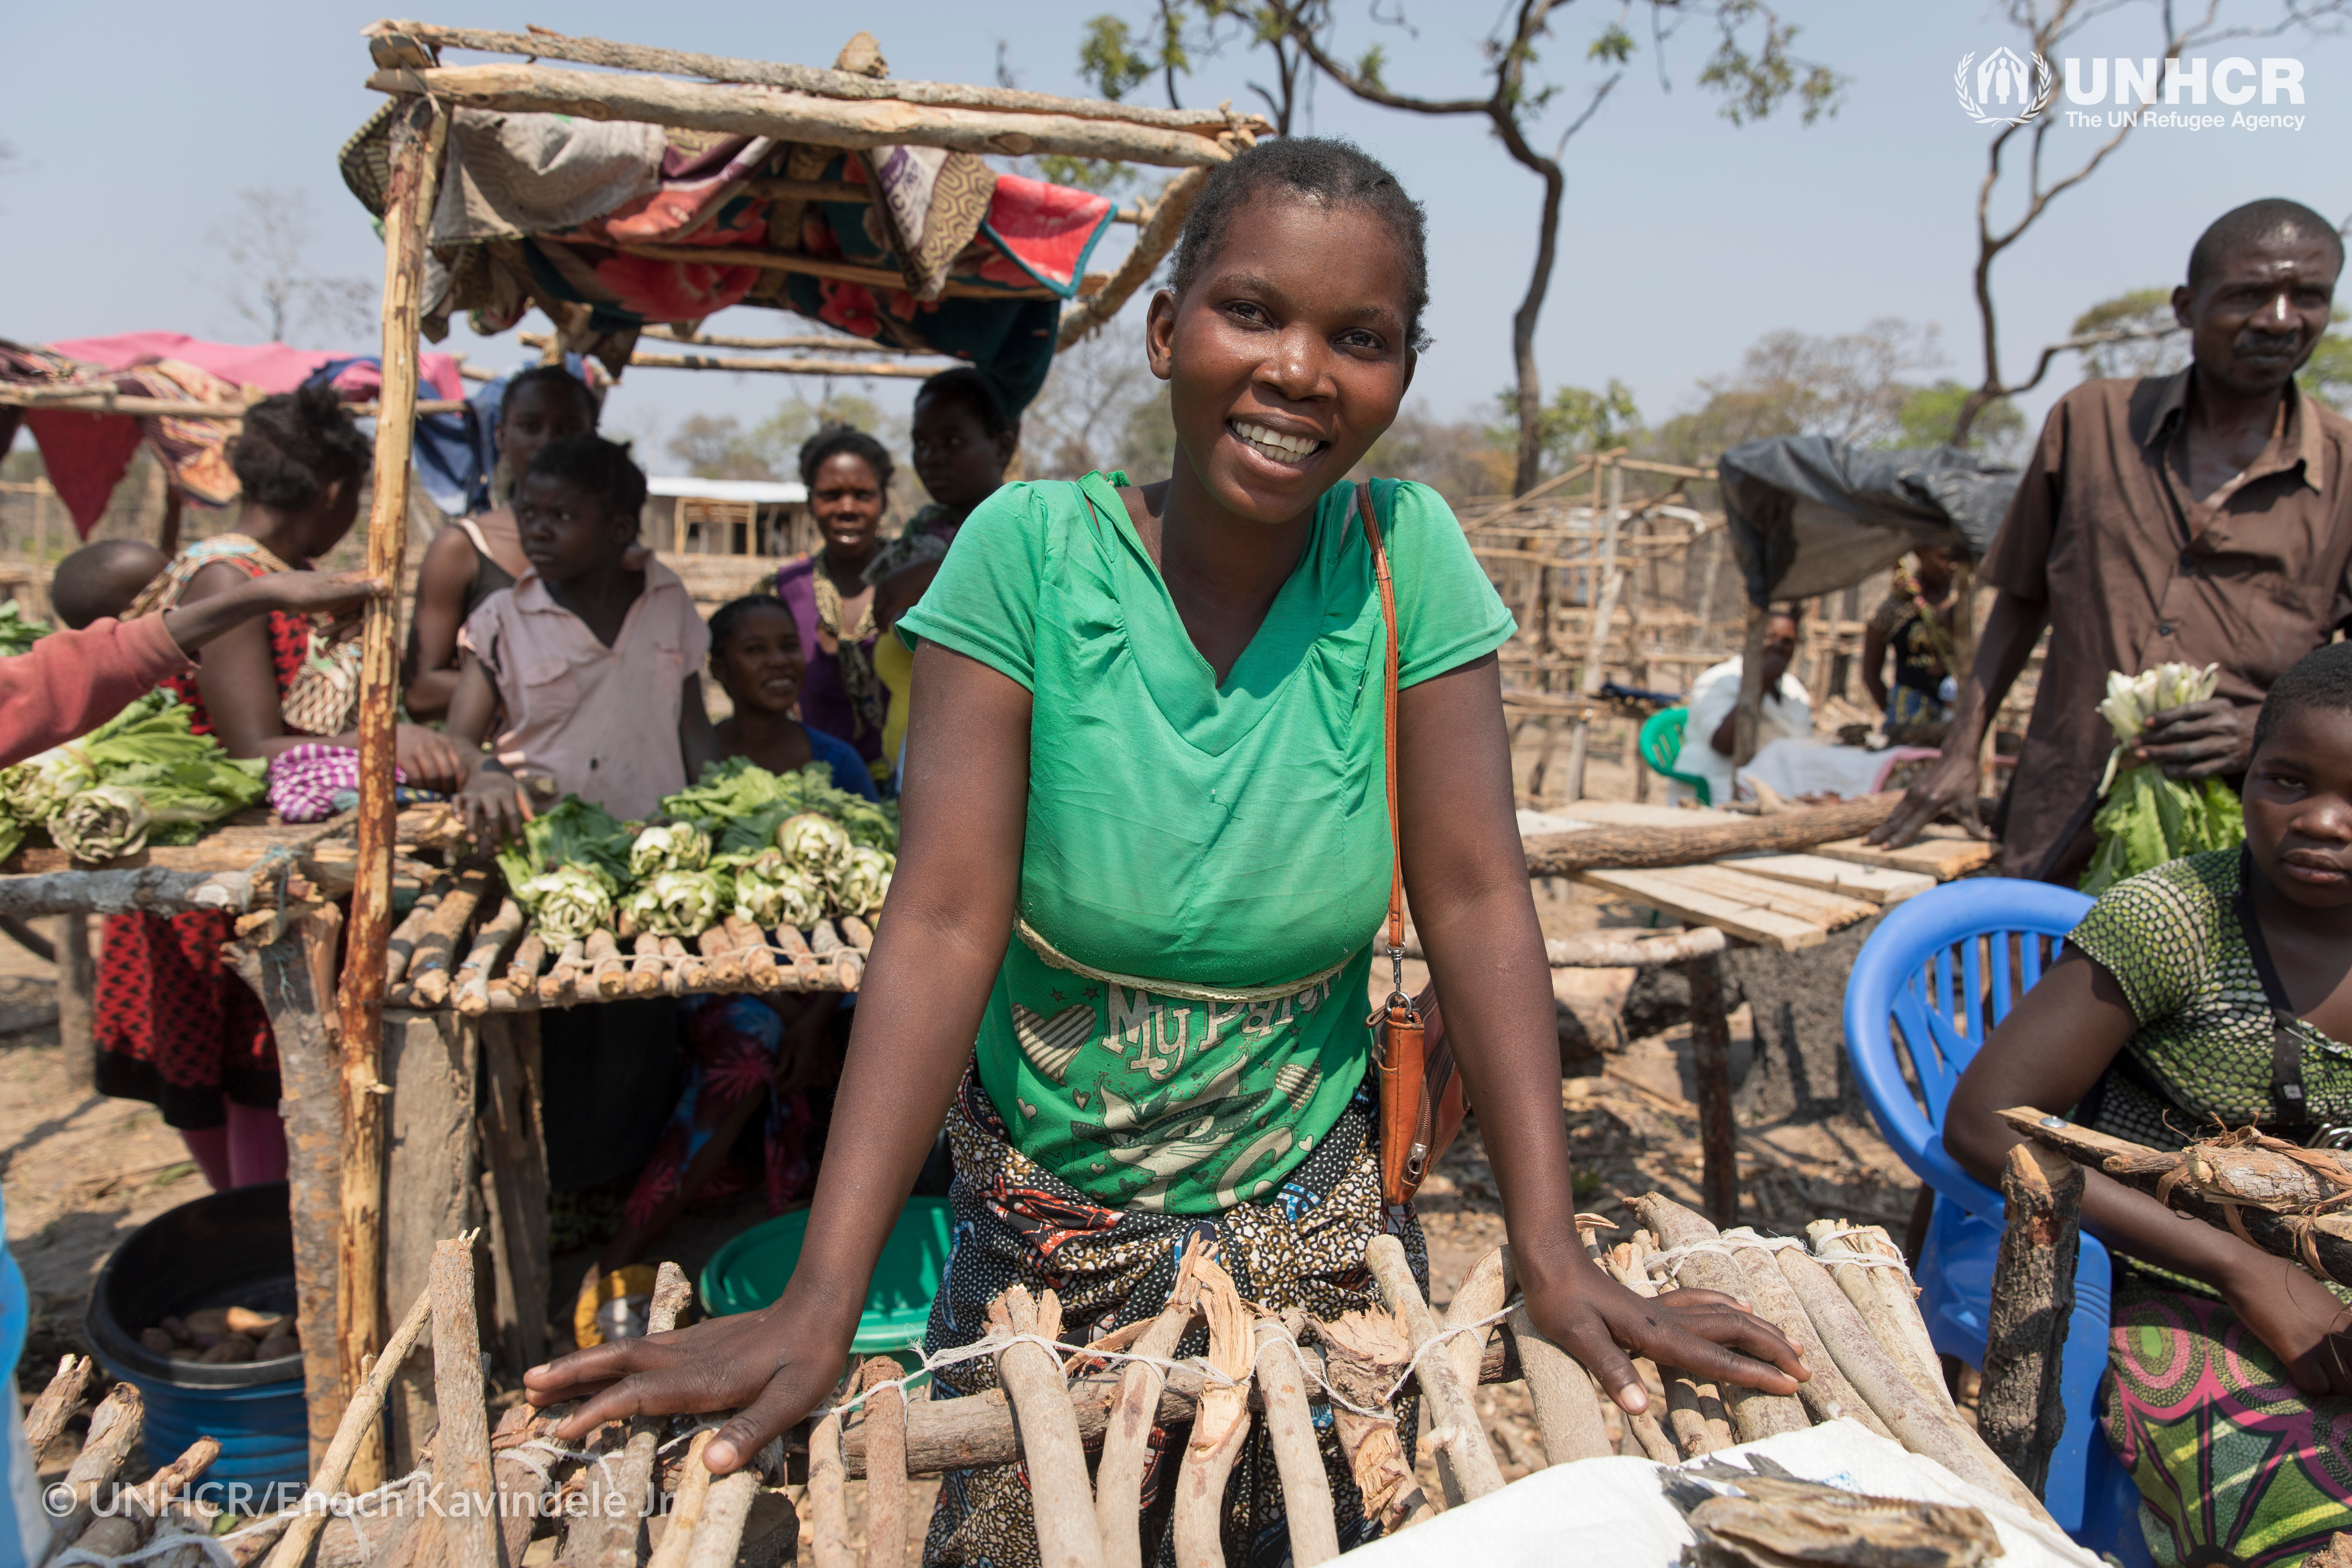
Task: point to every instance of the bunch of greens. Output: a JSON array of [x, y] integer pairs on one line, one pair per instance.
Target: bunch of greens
[[678, 903], [573, 834], [672, 847], [2146, 817], [568, 902], [17, 632], [863, 882], [178, 781], [101, 824], [815, 843], [742, 803], [771, 891]]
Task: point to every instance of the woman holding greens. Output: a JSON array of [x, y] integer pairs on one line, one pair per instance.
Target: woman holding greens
[[1146, 844]]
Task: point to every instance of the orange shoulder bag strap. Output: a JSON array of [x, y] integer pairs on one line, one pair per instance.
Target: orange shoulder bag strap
[[1422, 1102]]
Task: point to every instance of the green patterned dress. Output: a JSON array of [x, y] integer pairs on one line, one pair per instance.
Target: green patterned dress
[[2233, 1465]]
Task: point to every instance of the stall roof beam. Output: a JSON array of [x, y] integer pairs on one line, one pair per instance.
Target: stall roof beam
[[754, 111], [652, 360], [388, 37]]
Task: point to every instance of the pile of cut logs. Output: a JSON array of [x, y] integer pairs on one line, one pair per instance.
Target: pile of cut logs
[[438, 957], [636, 1492]]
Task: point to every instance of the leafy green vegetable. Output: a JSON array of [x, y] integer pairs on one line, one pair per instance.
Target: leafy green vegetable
[[179, 778], [101, 824], [572, 833], [568, 902], [743, 803], [863, 882], [675, 846], [815, 843], [11, 834], [2149, 818], [678, 903], [18, 632], [771, 891]]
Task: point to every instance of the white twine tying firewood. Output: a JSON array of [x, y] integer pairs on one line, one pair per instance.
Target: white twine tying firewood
[[1210, 1374], [1729, 1243]]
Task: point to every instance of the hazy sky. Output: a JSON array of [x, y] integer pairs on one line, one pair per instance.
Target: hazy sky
[[133, 125]]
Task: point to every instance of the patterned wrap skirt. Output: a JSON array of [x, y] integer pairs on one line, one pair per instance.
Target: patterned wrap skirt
[[1014, 1223], [2233, 1465]]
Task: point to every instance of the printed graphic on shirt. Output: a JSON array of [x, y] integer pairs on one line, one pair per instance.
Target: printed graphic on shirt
[[1152, 1102]]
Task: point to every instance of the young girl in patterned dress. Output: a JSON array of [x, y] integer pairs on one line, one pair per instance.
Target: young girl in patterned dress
[[2213, 991], [1143, 746], [176, 1027]]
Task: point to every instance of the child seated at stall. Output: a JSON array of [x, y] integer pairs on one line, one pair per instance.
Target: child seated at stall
[[591, 656], [758, 660], [2213, 991], [745, 1052], [594, 661]]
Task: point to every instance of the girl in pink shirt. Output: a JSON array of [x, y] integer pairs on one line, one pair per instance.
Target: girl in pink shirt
[[596, 663]]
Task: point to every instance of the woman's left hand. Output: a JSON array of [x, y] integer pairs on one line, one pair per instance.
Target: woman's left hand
[[1598, 1321]]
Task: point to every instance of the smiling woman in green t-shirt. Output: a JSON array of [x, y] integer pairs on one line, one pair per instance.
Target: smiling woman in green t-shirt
[[1146, 848]]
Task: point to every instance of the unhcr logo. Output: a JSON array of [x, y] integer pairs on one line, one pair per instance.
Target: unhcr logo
[[2004, 88]]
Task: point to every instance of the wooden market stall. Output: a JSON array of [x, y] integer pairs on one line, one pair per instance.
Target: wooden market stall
[[439, 980]]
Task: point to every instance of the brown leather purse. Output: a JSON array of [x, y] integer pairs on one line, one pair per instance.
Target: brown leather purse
[[1421, 1100]]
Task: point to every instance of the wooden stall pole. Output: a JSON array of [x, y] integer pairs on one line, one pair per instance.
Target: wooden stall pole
[[76, 993], [2018, 1410], [44, 496], [1751, 696], [1718, 1181], [1610, 580], [415, 162]]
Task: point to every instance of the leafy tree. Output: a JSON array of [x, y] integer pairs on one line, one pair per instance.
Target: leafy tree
[[717, 448], [2328, 375], [2131, 334], [1117, 60], [1576, 421], [1859, 387], [1930, 413], [1459, 458]]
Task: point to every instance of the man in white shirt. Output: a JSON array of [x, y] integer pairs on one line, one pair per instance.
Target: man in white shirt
[[1786, 711]]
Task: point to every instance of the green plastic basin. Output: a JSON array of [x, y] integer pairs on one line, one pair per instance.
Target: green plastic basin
[[749, 1272]]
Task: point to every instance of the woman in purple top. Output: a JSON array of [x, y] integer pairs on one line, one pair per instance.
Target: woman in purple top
[[848, 478]]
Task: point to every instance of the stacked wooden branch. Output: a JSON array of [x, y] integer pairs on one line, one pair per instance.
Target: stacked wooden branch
[[796, 103], [2285, 1199], [1846, 1304], [439, 958], [105, 1516]]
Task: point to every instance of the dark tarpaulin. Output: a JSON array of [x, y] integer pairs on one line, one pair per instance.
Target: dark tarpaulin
[[1808, 515]]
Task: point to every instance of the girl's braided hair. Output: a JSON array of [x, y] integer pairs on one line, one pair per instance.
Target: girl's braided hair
[[295, 445]]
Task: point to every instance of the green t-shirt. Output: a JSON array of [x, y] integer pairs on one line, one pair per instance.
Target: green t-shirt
[[1230, 836]]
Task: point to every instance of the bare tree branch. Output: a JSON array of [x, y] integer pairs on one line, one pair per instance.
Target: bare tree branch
[[2045, 33]]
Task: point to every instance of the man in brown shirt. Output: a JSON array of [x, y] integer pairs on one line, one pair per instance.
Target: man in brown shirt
[[2204, 517]]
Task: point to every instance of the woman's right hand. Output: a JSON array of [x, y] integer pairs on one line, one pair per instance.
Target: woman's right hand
[[777, 1364], [494, 805], [2301, 1319]]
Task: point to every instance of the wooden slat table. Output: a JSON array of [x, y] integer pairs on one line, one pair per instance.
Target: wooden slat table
[[1942, 853], [1770, 913], [1873, 884]]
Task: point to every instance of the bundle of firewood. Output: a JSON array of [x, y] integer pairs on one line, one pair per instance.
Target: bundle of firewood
[[636, 1492], [1843, 1298]]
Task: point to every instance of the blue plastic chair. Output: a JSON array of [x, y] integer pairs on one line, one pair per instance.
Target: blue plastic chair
[[1941, 970]]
